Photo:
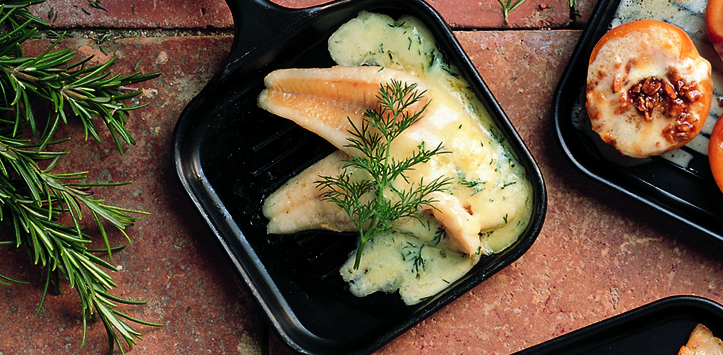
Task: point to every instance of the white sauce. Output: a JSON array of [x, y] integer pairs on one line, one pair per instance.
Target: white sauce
[[416, 262]]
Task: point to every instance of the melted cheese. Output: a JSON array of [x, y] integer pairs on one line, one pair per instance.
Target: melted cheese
[[485, 176], [688, 15], [626, 56]]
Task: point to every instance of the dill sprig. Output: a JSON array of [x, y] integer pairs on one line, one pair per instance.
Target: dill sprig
[[375, 204], [33, 198]]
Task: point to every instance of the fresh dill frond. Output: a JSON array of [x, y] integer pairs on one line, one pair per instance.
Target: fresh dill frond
[[439, 235], [375, 204]]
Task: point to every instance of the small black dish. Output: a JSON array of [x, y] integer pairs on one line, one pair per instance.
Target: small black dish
[[687, 194], [230, 155], [658, 328]]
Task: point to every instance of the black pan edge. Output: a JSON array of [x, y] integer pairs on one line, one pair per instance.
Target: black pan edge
[[660, 327]]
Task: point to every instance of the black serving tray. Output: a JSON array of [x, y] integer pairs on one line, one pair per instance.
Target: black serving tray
[[658, 328], [230, 155], [688, 194]]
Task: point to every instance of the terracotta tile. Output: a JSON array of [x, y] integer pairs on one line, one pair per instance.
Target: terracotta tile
[[136, 14], [599, 253], [465, 14], [486, 14], [489, 14]]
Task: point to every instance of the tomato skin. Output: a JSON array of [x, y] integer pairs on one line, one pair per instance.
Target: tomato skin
[[714, 24], [715, 152]]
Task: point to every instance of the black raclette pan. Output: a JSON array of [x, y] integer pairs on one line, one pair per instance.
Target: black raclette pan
[[686, 194], [230, 155], [658, 328]]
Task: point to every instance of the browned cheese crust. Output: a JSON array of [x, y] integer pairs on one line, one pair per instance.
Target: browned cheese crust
[[648, 90]]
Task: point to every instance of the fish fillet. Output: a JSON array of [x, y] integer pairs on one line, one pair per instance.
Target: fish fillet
[[298, 206], [324, 100]]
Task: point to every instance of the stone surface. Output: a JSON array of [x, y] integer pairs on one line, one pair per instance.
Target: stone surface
[[487, 14], [214, 14], [148, 14], [599, 254]]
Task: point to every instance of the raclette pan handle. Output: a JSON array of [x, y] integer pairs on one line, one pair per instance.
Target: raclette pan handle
[[259, 22]]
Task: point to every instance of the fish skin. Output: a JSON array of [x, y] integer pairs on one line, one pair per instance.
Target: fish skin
[[325, 100]]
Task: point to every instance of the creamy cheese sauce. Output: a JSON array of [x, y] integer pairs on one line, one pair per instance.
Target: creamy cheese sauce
[[485, 175], [689, 15]]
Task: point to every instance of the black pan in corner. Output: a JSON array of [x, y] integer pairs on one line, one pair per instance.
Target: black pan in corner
[[687, 194], [230, 155], [658, 328]]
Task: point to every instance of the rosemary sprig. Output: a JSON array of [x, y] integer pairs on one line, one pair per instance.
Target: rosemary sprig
[[33, 198], [374, 204]]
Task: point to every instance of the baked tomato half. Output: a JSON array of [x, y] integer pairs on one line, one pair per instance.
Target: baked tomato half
[[715, 152], [648, 89], [714, 24]]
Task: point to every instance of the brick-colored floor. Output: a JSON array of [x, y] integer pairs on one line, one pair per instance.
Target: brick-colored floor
[[599, 254]]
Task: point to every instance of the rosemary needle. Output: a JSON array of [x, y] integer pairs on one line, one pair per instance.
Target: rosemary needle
[[33, 197], [375, 204]]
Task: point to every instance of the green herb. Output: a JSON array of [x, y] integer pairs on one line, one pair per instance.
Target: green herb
[[96, 4], [477, 185], [34, 200], [509, 6], [438, 236], [450, 72], [414, 253], [496, 135], [486, 234], [375, 204], [104, 36]]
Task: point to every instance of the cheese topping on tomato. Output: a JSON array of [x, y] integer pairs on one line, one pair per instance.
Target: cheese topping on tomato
[[648, 90]]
